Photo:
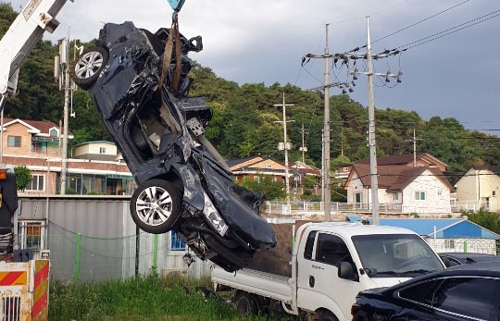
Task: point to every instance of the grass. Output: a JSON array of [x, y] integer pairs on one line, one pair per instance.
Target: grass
[[138, 299]]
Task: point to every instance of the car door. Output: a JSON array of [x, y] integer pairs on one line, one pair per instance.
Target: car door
[[318, 281], [451, 298]]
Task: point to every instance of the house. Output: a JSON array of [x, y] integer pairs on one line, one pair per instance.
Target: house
[[400, 188], [410, 160], [255, 167], [447, 234], [31, 138], [478, 189], [36, 144], [97, 150], [301, 172]]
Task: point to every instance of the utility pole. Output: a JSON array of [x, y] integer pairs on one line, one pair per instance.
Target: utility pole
[[326, 140], [303, 148], [371, 130], [286, 147], [61, 72], [414, 148], [326, 160]]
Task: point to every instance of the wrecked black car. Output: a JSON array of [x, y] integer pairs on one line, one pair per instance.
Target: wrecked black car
[[184, 184]]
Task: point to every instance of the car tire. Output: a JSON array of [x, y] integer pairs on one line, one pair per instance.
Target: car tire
[[87, 68], [155, 205], [246, 305]]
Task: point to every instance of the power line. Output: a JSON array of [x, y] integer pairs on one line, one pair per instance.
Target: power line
[[449, 31], [372, 14], [420, 21]]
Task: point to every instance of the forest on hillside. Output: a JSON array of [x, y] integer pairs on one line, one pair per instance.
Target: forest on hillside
[[245, 123]]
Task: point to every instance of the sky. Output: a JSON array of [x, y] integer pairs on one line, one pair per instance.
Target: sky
[[263, 41]]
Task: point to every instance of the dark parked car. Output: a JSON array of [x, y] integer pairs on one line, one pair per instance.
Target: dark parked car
[[465, 292], [459, 258], [183, 183]]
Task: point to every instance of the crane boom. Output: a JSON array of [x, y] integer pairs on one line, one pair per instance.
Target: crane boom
[[27, 29]]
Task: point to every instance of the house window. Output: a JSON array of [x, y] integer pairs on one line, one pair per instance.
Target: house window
[[357, 198], [54, 133], [14, 141], [37, 183], [39, 147], [493, 193], [269, 166], [346, 169], [395, 196], [102, 150], [440, 193], [176, 243], [31, 235], [449, 244], [420, 196]]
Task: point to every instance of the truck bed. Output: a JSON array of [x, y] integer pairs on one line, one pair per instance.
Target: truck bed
[[273, 286]]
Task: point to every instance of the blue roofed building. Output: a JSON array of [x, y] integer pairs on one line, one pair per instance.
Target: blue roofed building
[[446, 234]]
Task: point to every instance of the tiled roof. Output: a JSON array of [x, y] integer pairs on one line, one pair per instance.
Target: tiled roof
[[240, 162], [396, 177], [494, 169], [402, 159], [43, 126]]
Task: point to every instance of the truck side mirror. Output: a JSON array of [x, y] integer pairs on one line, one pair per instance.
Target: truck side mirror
[[346, 271]]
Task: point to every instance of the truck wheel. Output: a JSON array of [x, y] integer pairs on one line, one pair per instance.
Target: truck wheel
[[86, 69], [324, 315], [156, 205], [246, 305]]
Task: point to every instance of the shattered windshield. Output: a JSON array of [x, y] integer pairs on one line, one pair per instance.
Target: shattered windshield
[[385, 255]]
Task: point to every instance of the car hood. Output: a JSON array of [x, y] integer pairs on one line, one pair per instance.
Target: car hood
[[383, 282]]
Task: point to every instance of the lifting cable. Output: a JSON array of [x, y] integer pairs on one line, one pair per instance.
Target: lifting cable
[[174, 38]]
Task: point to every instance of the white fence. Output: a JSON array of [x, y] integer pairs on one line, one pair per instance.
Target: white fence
[[307, 207]]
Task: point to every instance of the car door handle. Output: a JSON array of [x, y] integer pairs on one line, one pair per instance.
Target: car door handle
[[312, 281]]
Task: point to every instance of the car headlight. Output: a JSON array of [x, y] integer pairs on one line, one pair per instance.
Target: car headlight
[[213, 216]]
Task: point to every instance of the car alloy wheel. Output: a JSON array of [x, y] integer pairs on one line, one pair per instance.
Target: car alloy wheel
[[155, 205], [87, 68]]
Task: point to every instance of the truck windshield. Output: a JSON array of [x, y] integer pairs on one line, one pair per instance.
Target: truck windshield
[[385, 255]]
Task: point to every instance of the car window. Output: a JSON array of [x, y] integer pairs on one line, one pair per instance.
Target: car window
[[331, 249], [309, 245], [471, 297]]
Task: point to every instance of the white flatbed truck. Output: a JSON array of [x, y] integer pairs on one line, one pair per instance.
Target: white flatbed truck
[[327, 266]]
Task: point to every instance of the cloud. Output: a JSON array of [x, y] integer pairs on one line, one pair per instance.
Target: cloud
[[262, 41]]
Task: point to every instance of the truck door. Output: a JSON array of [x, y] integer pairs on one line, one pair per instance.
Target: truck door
[[318, 284]]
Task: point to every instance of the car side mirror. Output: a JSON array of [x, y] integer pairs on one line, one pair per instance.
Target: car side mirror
[[195, 44], [346, 271]]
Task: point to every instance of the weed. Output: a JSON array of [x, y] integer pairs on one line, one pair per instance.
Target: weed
[[140, 299]]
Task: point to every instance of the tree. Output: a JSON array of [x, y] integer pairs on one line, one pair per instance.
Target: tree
[[265, 185], [23, 177], [488, 220]]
